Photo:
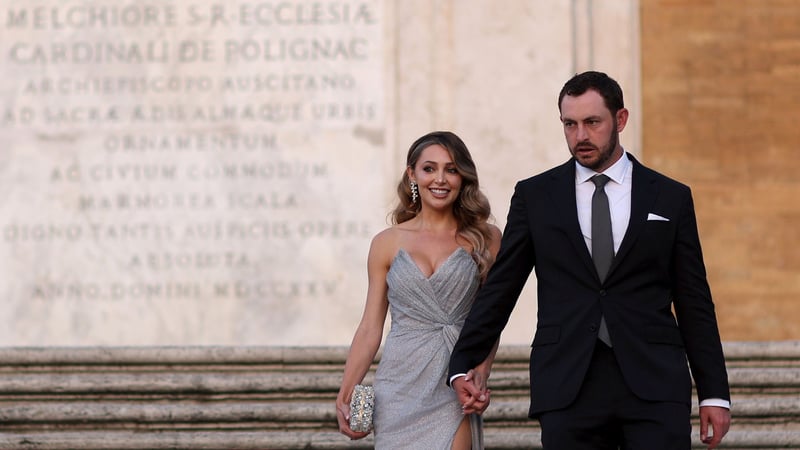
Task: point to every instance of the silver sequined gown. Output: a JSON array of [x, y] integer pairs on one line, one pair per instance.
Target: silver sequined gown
[[414, 408]]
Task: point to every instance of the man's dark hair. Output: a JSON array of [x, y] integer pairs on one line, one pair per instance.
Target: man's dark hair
[[599, 82]]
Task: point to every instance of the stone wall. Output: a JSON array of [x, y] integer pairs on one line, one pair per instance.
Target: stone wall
[[199, 172], [210, 173], [720, 98]]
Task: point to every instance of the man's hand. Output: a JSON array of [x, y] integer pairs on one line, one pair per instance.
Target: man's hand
[[720, 420], [472, 398]]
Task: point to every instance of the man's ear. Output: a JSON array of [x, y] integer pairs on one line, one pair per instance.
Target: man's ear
[[622, 119]]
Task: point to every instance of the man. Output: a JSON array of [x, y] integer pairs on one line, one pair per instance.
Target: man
[[609, 359]]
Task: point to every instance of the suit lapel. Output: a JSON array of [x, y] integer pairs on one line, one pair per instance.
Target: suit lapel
[[644, 191], [562, 190]]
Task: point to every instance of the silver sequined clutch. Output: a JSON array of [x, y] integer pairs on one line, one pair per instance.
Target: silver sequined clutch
[[362, 404]]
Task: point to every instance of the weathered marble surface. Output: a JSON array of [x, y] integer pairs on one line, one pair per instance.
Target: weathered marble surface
[[210, 173]]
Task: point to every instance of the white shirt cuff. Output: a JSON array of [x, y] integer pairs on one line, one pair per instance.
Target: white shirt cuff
[[716, 402], [456, 376]]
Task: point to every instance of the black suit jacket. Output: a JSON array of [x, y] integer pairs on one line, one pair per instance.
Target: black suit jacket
[[659, 266]]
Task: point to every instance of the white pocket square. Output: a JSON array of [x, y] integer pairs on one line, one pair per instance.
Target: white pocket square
[[652, 216]]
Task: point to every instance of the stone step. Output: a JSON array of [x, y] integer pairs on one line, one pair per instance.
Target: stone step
[[506, 439], [209, 381], [271, 398], [214, 381], [308, 414]]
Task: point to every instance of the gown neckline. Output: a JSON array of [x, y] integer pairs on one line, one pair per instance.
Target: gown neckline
[[436, 270]]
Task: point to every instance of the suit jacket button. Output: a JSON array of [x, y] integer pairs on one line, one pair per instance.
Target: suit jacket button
[[602, 292], [593, 328]]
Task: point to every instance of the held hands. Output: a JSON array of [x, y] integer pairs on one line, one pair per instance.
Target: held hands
[[472, 392], [343, 417], [720, 420]]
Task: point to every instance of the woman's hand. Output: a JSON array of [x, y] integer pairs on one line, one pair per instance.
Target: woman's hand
[[343, 417], [480, 402]]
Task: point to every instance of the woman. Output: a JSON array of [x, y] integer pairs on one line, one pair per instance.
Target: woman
[[427, 268]]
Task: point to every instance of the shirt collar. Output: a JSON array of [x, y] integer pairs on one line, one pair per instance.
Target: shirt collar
[[616, 172]]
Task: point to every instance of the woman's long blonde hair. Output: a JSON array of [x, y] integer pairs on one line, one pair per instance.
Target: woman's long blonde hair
[[471, 208]]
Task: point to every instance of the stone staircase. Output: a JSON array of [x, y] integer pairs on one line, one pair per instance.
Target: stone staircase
[[282, 398]]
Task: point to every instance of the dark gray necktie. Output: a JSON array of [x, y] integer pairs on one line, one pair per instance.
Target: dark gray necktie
[[602, 240]]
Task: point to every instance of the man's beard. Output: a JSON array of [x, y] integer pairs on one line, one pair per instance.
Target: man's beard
[[604, 153]]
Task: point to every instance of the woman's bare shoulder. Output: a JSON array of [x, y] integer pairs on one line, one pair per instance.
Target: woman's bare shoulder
[[387, 243], [495, 231], [497, 236]]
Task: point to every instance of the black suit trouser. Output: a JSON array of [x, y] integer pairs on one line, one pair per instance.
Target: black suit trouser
[[607, 415]]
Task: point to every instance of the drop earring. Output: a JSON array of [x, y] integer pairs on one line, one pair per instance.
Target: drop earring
[[414, 192]]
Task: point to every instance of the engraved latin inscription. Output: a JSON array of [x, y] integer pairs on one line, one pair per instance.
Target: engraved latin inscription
[[173, 167]]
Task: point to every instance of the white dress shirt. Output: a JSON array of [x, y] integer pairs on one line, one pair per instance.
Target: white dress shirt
[[618, 191]]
